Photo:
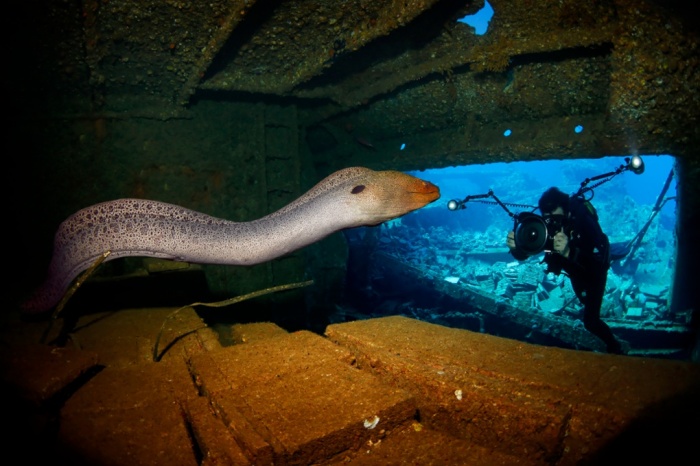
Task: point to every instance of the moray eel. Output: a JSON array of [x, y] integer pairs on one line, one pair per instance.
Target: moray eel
[[348, 198]]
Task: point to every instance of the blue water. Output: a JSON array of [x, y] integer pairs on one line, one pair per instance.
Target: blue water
[[480, 20], [524, 182]]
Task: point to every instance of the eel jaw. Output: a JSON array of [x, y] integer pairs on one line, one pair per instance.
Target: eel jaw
[[425, 193], [414, 193]]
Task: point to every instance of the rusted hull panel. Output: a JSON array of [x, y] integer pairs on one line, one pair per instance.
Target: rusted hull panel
[[546, 29], [284, 45]]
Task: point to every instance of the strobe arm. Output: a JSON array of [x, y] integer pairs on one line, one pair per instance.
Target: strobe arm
[[635, 164], [456, 204]]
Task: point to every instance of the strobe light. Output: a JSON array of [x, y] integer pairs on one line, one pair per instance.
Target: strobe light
[[454, 205], [635, 164]]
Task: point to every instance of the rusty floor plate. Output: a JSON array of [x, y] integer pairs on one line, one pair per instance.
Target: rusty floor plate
[[380, 391]]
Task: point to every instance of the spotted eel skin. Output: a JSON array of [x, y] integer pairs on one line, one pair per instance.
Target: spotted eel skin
[[348, 198]]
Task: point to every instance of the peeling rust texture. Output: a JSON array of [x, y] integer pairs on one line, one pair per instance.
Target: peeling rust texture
[[404, 67], [283, 44], [131, 53], [355, 52]]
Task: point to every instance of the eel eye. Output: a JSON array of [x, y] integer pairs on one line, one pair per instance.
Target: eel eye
[[358, 189]]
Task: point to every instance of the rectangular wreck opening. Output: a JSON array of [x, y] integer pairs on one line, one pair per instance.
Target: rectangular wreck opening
[[448, 263]]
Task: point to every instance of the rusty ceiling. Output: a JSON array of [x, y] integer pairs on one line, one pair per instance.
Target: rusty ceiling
[[345, 52], [394, 67]]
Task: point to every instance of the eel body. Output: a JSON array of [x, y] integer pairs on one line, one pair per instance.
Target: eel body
[[348, 198]]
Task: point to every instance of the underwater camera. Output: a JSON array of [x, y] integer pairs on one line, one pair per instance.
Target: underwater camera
[[534, 233]]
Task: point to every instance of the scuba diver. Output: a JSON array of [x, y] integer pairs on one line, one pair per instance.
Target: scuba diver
[[579, 247]]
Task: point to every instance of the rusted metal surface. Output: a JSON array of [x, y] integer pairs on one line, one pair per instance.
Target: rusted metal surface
[[155, 50], [393, 388], [627, 61], [284, 44]]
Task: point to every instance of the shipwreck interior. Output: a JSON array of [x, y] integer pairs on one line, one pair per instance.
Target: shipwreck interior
[[237, 107]]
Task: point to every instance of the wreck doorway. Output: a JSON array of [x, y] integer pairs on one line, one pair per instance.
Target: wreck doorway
[[447, 263]]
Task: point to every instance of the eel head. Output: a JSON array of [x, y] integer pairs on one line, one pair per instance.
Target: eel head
[[379, 196]]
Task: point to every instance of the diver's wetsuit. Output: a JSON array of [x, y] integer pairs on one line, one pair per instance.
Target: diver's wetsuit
[[587, 267]]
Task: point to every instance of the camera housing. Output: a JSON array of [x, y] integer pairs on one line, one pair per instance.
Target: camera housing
[[531, 234]]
